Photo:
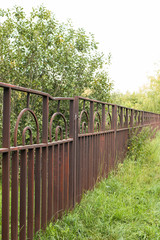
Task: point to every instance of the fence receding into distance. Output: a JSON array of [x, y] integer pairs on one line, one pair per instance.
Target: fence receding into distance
[[53, 150]]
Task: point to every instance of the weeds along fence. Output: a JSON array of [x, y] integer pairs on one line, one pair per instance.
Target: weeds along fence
[[54, 149]]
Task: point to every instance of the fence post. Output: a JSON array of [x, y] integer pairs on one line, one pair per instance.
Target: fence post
[[71, 150], [114, 127], [44, 161], [76, 150], [91, 130], [6, 163]]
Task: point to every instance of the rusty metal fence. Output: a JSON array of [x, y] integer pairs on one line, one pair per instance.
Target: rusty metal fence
[[65, 154]]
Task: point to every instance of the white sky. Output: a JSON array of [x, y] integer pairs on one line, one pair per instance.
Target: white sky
[[129, 29]]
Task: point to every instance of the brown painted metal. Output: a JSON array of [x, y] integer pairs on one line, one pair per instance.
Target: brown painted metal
[[37, 188], [61, 179], [27, 90], [6, 163], [58, 127], [78, 174], [30, 193], [44, 162], [27, 128], [50, 183], [81, 169], [23, 195], [23, 135], [66, 176], [91, 130], [14, 197], [71, 154], [76, 150], [56, 169], [56, 182], [44, 188]]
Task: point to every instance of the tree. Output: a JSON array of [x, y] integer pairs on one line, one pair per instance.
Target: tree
[[147, 98], [40, 53]]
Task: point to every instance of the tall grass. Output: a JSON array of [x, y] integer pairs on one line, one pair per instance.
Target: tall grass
[[124, 206]]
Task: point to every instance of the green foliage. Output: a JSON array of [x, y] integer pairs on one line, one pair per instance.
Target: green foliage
[[130, 100], [38, 52], [136, 147], [147, 98], [124, 206]]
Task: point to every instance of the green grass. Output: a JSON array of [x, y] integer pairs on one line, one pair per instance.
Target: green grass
[[124, 206]]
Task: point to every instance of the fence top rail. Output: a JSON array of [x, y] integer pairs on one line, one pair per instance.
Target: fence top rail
[[28, 90], [111, 104], [40, 93], [136, 109], [96, 101]]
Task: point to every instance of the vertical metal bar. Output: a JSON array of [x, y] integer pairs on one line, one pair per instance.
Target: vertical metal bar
[[81, 169], [91, 127], [111, 140], [50, 183], [126, 120], [83, 164], [44, 188], [94, 159], [14, 202], [106, 149], [28, 99], [114, 126], [98, 156], [71, 119], [71, 153], [23, 183], [132, 118], [103, 154], [30, 192], [78, 180], [90, 160], [102, 140], [56, 181], [87, 162], [61, 179], [76, 150], [45, 119], [121, 118], [78, 166], [97, 147], [142, 118], [66, 176], [71, 174], [103, 118], [139, 117], [37, 188], [44, 161], [6, 162], [91, 166], [109, 152], [91, 130]]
